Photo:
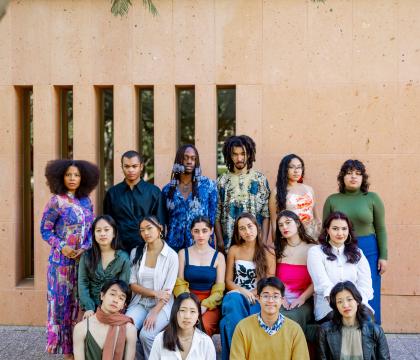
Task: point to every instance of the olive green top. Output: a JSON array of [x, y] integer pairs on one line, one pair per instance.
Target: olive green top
[[90, 284], [92, 349], [366, 212]]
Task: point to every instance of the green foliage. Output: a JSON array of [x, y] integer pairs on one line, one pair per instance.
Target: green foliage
[[121, 7]]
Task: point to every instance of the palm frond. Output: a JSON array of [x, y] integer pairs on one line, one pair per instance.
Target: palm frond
[[121, 7], [152, 8]]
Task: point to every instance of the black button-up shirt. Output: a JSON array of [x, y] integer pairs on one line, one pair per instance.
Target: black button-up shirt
[[128, 207]]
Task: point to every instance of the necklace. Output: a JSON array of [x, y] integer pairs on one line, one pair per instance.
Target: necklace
[[294, 245], [185, 186]]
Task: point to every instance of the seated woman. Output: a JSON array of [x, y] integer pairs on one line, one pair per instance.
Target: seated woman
[[153, 276], [108, 334], [183, 338], [291, 245], [101, 263], [247, 262], [351, 334], [202, 271], [337, 259]]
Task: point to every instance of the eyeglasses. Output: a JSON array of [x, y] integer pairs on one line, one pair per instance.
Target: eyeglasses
[[275, 297], [295, 167]]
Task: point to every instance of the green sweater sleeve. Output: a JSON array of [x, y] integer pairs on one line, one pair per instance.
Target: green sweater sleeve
[[86, 302], [379, 225], [327, 209], [125, 271]]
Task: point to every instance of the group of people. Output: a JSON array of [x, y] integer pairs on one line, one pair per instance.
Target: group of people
[[168, 269]]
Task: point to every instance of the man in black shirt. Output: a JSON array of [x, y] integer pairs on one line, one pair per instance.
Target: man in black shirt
[[131, 200]]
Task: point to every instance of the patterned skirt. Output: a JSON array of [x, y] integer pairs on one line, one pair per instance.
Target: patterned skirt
[[62, 307]]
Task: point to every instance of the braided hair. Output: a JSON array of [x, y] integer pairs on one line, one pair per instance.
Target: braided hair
[[177, 170], [242, 141]]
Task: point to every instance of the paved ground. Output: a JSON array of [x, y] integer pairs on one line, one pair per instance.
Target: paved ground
[[27, 343]]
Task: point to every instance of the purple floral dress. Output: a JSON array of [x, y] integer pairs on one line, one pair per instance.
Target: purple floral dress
[[66, 221]]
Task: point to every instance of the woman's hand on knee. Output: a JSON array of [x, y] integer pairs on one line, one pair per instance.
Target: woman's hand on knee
[[150, 321]]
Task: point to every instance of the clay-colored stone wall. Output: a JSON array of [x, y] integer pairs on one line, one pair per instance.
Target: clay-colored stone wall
[[328, 81]]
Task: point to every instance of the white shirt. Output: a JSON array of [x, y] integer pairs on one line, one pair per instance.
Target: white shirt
[[164, 277], [326, 273], [202, 348]]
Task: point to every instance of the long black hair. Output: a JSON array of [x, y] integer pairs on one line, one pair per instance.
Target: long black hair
[[363, 314], [170, 335], [175, 175], [351, 250], [350, 165], [93, 255], [242, 141], [280, 242], [283, 179], [139, 249], [56, 169]]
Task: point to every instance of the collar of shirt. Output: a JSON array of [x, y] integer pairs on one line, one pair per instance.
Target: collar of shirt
[[338, 250], [139, 186], [164, 251], [276, 326]]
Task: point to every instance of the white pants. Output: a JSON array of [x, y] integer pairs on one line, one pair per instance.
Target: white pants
[[138, 313]]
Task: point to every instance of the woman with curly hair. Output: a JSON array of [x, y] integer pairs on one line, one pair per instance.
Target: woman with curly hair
[[337, 258], [366, 211], [248, 260], [292, 194], [350, 334], [66, 227]]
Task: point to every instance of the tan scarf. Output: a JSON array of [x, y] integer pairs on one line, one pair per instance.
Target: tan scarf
[[113, 320]]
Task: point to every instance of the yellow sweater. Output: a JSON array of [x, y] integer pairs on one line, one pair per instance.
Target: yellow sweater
[[250, 341]]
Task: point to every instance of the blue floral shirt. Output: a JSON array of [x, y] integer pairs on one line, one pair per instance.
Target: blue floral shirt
[[241, 193], [276, 326], [181, 212]]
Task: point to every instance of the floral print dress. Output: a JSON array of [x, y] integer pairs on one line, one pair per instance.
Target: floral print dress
[[66, 221]]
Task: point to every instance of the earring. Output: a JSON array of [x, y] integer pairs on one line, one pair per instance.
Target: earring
[[348, 240], [327, 238]]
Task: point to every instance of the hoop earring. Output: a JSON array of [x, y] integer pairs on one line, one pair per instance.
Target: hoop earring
[[348, 240]]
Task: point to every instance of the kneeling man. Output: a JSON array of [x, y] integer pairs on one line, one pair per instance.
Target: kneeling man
[[108, 334], [269, 335]]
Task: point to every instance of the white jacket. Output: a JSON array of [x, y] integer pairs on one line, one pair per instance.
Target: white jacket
[[165, 274], [202, 348], [326, 273]]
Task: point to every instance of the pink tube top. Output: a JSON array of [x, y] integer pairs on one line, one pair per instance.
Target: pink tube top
[[295, 278]]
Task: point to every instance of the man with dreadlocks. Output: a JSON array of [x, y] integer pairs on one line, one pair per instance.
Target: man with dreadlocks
[[240, 190], [187, 196]]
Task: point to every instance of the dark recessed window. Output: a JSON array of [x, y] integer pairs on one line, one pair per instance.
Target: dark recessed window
[[66, 122], [106, 140], [25, 95], [146, 138], [185, 97], [226, 121]]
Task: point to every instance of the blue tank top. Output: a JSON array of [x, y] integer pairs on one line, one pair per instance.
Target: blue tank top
[[200, 278]]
